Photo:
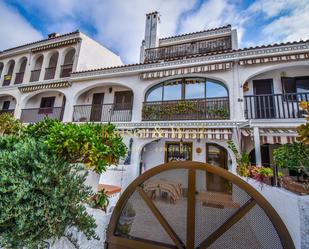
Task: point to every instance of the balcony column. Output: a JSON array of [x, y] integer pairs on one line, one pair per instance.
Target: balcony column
[[59, 63], [44, 65], [137, 107], [27, 72], [257, 146], [68, 111]]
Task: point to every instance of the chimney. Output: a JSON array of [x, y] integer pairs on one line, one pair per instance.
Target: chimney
[[152, 30], [53, 35]]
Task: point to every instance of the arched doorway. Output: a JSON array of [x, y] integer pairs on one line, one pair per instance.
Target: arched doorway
[[169, 207]]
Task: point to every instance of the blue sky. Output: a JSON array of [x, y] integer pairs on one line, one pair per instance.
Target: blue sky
[[119, 24]]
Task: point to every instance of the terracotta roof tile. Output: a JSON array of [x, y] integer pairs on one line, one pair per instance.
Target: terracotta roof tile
[[48, 39], [198, 32], [196, 55]]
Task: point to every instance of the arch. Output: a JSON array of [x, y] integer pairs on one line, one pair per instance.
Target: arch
[[69, 57], [143, 218], [37, 67], [10, 68], [269, 68], [67, 66], [185, 90], [21, 70], [9, 72], [22, 64], [52, 64], [28, 96], [97, 85], [38, 62]]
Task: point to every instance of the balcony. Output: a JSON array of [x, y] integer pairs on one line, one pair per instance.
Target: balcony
[[35, 75], [7, 79], [34, 115], [198, 109], [66, 70], [10, 111], [103, 113], [188, 49], [49, 73], [19, 78], [275, 106]]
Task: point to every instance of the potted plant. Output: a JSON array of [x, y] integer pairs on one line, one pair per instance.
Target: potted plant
[[242, 159], [126, 219], [100, 200]]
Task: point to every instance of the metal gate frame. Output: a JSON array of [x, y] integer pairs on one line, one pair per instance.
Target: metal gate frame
[[117, 242]]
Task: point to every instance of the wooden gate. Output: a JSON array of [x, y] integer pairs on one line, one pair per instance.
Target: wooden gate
[[170, 206]]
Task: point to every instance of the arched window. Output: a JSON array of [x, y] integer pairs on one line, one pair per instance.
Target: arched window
[[187, 99], [51, 70], [20, 74], [8, 76], [66, 68], [35, 73], [186, 89]]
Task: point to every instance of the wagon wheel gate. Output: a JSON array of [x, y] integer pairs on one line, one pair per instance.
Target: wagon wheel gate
[[183, 205]]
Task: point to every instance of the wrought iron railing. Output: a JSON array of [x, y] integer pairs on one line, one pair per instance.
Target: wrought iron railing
[[274, 106], [197, 109], [49, 73], [7, 79], [10, 111], [103, 113], [35, 75], [34, 115], [66, 70], [19, 78], [188, 49]]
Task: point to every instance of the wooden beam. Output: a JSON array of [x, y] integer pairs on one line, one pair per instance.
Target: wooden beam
[[191, 210], [228, 224], [168, 229]]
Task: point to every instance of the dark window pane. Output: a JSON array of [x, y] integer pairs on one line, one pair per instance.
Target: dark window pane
[[288, 85], [302, 85]]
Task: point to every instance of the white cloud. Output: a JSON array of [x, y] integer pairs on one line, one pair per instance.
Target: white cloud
[[14, 29], [118, 24], [289, 19], [213, 14]]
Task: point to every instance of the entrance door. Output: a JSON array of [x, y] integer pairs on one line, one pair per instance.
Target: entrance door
[[6, 105], [97, 106], [264, 101], [216, 156]]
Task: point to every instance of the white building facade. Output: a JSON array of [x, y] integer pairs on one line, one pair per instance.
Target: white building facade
[[186, 98]]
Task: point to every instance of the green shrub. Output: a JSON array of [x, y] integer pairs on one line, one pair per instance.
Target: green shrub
[[41, 195], [9, 125], [95, 145], [293, 156]]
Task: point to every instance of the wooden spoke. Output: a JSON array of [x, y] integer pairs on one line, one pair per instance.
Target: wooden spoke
[[169, 230], [228, 224], [191, 210]]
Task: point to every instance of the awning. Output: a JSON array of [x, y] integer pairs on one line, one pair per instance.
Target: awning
[[274, 135], [185, 133]]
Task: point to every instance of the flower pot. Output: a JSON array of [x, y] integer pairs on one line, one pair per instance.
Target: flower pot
[[294, 186]]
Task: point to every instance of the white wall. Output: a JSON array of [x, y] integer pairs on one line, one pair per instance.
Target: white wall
[[8, 98], [93, 55], [35, 101]]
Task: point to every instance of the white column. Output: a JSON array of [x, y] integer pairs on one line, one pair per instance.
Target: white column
[[257, 145], [138, 98], [44, 65], [68, 111]]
